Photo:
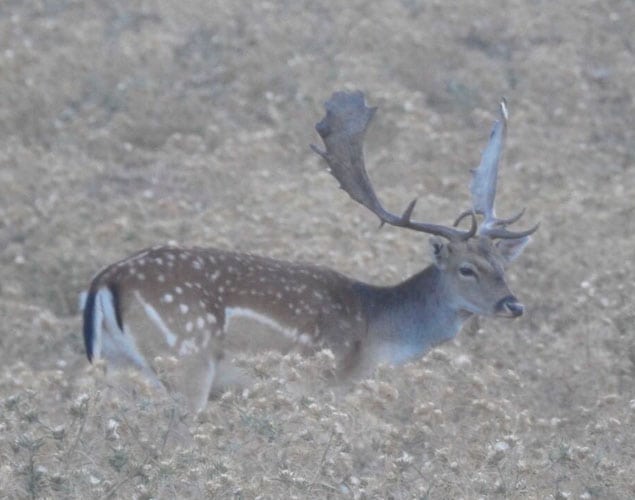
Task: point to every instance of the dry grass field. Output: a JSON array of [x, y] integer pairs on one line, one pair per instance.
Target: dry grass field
[[129, 123]]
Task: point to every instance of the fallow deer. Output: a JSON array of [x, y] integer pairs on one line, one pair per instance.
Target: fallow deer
[[179, 302]]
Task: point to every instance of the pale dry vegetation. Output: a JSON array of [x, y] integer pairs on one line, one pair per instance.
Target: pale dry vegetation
[[125, 124]]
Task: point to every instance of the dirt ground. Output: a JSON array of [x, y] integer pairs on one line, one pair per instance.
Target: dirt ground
[[129, 123]]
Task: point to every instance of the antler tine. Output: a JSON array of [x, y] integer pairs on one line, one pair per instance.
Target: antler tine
[[342, 130], [497, 222], [512, 219], [483, 185], [503, 234], [462, 216], [500, 232]]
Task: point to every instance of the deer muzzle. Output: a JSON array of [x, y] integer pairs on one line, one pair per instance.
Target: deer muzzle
[[509, 306]]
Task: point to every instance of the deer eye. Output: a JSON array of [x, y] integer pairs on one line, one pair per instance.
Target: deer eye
[[467, 271]]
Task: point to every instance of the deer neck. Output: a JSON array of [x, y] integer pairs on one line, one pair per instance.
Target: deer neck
[[406, 320]]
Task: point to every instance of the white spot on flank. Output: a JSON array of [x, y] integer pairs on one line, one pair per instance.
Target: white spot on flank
[[167, 298], [160, 278], [189, 326], [152, 313], [178, 290], [183, 308], [200, 323], [211, 318]]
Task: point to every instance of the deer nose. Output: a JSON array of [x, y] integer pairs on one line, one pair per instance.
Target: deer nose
[[510, 306]]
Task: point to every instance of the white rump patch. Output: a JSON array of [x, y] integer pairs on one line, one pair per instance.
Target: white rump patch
[[81, 300], [110, 341], [98, 320], [152, 313], [107, 307]]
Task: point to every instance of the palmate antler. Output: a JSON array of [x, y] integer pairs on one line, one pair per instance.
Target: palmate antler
[[483, 186], [342, 131]]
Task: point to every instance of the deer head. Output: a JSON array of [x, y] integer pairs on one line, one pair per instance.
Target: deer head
[[473, 262]]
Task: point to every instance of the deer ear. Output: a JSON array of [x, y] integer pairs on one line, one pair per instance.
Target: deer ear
[[439, 251], [511, 249]]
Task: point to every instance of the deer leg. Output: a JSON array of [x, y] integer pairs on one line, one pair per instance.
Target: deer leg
[[229, 376], [196, 369], [198, 381], [350, 367]]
